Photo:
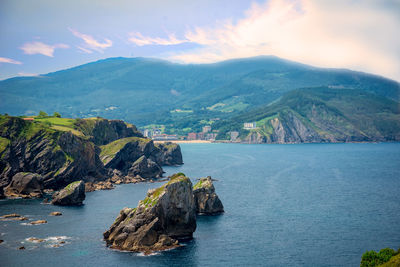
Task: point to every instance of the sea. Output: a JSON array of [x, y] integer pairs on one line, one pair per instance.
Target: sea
[[285, 205]]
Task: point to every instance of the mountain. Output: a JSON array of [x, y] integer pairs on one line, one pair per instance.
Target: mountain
[[319, 114], [184, 97]]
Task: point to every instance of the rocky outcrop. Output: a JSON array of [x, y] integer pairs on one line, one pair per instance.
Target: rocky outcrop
[[139, 157], [102, 131], [145, 168], [168, 154], [206, 200], [72, 195], [59, 157], [166, 215], [102, 185], [26, 185]]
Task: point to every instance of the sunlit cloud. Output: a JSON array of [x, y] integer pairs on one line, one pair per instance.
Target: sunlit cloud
[[9, 61], [27, 74], [360, 35], [90, 44], [33, 48], [138, 39]]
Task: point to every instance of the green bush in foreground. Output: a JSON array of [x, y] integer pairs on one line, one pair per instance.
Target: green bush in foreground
[[373, 258]]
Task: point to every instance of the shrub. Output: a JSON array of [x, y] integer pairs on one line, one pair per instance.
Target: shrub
[[373, 258]]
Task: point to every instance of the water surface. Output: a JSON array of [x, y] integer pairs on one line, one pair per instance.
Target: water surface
[[286, 205]]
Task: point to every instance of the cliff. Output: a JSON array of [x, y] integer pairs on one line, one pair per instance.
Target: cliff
[[102, 131], [64, 150], [58, 156], [127, 154], [206, 200], [314, 115], [166, 215]]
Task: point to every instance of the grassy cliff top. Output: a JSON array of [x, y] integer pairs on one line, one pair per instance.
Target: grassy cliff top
[[154, 195], [112, 148], [203, 183]]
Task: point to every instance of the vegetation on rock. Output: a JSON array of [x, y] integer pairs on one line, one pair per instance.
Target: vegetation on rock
[[373, 258]]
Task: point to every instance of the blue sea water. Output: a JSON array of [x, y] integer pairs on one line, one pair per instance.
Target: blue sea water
[[286, 205]]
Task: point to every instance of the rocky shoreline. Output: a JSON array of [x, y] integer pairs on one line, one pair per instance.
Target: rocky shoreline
[[35, 157]]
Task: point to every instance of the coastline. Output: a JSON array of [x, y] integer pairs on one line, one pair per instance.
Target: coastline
[[183, 141]]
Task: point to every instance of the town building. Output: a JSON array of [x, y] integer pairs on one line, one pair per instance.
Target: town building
[[192, 136], [206, 129], [234, 136], [165, 137], [249, 125], [147, 133]]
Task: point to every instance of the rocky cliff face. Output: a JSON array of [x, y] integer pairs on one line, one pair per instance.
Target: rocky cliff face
[[103, 131], [206, 200], [26, 185], [72, 195], [166, 215], [134, 156], [321, 114], [58, 156], [61, 157], [168, 154]]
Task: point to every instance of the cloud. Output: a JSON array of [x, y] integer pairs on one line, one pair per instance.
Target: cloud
[[360, 35], [9, 60], [138, 39], [27, 74], [90, 44], [33, 48]]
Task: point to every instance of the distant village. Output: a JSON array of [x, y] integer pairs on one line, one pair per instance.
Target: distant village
[[206, 134]]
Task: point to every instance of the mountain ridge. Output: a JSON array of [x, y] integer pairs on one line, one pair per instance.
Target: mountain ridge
[[147, 91]]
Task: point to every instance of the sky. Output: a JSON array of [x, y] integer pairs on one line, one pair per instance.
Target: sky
[[42, 36]]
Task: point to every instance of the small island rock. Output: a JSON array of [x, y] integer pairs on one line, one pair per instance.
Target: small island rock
[[72, 195], [206, 200], [164, 216], [38, 222], [26, 185], [55, 213]]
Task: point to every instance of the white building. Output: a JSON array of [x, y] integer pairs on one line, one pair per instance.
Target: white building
[[249, 125]]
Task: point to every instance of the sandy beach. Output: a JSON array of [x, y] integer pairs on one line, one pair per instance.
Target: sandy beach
[[185, 141]]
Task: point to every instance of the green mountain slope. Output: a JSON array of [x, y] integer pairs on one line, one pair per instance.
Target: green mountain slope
[[319, 115], [147, 91]]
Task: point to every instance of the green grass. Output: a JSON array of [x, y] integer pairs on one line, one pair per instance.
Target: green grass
[[203, 182], [373, 258], [393, 262], [112, 148], [57, 121], [181, 111], [67, 129], [69, 187], [3, 143]]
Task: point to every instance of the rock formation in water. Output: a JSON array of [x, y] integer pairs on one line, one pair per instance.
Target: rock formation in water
[[206, 200], [166, 215], [26, 185], [169, 154], [72, 195]]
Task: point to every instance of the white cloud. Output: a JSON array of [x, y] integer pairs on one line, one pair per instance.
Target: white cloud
[[360, 35], [90, 43], [9, 60], [138, 39], [27, 74], [33, 48]]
